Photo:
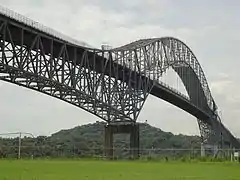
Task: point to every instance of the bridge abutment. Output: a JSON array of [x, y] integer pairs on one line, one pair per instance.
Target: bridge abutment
[[130, 128]]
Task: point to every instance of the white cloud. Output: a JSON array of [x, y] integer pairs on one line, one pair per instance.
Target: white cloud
[[222, 86], [227, 88]]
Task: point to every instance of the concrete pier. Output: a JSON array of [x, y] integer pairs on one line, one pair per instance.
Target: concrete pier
[[132, 129]]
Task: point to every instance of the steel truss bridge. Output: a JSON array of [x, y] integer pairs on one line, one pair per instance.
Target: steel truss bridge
[[111, 84]]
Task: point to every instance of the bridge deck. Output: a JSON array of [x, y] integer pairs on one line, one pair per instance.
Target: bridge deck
[[97, 63], [53, 42]]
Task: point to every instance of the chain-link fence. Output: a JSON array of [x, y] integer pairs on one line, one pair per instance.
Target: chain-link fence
[[30, 152]]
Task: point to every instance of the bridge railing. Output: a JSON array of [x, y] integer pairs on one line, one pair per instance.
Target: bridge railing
[[174, 90], [27, 21], [127, 65]]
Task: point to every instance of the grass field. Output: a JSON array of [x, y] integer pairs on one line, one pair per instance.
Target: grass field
[[103, 170]]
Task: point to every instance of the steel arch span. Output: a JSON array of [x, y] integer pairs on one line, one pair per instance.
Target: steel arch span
[[111, 84]]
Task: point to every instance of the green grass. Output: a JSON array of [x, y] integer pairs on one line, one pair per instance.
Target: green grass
[[104, 170]]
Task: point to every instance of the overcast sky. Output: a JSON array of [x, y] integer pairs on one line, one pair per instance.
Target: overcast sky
[[210, 28]]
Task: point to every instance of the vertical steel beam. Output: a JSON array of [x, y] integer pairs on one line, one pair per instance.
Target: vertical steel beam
[[108, 142]]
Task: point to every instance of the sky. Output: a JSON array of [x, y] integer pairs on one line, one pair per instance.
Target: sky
[[210, 28]]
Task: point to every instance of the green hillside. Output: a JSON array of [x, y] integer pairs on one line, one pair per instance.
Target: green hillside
[[87, 140]]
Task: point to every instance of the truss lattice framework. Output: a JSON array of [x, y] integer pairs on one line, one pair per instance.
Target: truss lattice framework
[[155, 55], [111, 84], [80, 77], [151, 57], [116, 97], [208, 133]]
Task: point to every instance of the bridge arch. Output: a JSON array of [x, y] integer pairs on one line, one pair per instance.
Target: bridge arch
[[112, 84], [152, 57], [158, 54]]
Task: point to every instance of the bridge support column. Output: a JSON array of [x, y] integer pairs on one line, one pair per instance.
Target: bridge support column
[[202, 150], [108, 146], [134, 141], [131, 128]]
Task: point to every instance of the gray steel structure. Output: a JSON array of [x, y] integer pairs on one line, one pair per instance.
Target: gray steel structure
[[111, 84]]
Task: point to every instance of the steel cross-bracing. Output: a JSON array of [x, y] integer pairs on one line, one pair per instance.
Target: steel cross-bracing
[[152, 57], [82, 77], [111, 84]]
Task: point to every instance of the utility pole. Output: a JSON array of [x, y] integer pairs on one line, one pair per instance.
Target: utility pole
[[19, 145], [19, 140]]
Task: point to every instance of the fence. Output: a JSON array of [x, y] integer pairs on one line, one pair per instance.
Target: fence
[[118, 153]]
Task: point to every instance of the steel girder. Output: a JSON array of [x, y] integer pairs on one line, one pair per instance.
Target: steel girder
[[111, 84], [152, 57], [81, 77]]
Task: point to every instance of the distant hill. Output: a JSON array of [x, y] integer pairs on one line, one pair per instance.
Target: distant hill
[[150, 137], [88, 139]]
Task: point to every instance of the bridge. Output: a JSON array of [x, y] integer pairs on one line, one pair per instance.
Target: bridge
[[111, 84]]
